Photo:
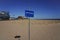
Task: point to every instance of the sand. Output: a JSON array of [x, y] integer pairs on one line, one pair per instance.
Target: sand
[[39, 29]]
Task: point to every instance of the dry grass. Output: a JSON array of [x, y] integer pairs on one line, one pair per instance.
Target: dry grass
[[38, 22], [45, 22]]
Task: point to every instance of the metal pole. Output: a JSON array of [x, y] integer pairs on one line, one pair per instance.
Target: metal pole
[[29, 29]]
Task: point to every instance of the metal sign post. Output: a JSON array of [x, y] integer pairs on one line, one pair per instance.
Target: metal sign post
[[29, 14], [29, 29]]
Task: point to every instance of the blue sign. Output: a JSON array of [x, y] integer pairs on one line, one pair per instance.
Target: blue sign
[[29, 13]]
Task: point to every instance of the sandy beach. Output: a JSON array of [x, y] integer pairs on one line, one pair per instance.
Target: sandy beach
[[39, 29]]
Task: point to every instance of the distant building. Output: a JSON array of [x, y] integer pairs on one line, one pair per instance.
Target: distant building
[[20, 17], [4, 15], [13, 18]]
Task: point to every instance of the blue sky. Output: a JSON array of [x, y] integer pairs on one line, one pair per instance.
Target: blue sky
[[43, 9]]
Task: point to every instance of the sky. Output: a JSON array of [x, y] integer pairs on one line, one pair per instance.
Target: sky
[[43, 9]]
